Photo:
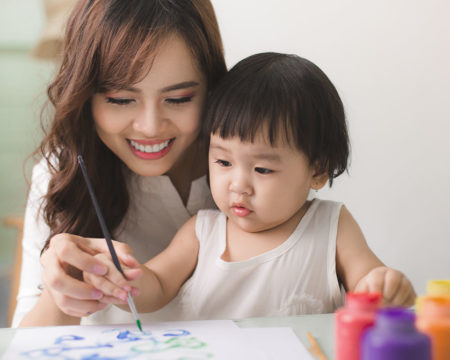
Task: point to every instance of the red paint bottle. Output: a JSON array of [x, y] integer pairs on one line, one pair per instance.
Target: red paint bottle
[[351, 320]]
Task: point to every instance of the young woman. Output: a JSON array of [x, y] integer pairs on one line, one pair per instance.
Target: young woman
[[128, 97]]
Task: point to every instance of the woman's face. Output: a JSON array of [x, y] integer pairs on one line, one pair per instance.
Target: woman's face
[[151, 124]]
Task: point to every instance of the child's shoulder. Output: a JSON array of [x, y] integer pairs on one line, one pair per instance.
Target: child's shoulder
[[209, 220], [326, 205], [208, 214]]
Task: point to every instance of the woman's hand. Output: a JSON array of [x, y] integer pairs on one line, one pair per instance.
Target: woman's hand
[[396, 289], [64, 262], [114, 286]]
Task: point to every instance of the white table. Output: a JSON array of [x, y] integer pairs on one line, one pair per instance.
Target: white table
[[320, 326]]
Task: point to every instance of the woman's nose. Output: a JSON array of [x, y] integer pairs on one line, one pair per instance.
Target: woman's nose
[[148, 121]]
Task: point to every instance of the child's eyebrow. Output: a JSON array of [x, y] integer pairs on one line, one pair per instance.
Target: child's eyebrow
[[267, 156], [257, 156], [217, 147]]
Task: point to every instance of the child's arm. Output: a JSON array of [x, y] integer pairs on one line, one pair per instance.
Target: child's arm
[[158, 280], [359, 269]]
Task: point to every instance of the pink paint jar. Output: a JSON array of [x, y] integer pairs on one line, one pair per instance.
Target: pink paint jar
[[351, 320]]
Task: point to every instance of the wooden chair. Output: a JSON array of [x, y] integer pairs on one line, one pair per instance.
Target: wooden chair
[[15, 222]]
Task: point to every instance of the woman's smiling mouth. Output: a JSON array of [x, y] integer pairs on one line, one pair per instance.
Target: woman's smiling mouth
[[150, 149]]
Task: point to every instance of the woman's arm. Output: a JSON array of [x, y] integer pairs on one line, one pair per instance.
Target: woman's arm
[[158, 280], [359, 269], [35, 233], [60, 267], [47, 313]]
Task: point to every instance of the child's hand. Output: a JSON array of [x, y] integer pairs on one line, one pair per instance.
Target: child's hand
[[113, 285], [396, 289]]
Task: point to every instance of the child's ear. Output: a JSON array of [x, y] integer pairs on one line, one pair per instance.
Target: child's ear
[[319, 180]]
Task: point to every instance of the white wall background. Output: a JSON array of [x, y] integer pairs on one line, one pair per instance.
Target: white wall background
[[390, 61]]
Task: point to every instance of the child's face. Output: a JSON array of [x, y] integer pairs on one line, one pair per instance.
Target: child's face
[[257, 186], [151, 125]]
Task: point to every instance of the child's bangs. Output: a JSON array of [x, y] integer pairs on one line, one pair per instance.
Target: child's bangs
[[248, 114]]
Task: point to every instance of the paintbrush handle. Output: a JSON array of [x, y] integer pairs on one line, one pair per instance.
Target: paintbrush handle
[[101, 220], [107, 236]]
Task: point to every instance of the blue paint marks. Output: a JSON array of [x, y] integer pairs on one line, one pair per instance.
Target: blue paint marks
[[119, 344], [66, 338], [178, 332]]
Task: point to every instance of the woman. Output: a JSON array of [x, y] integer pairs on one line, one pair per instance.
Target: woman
[[128, 97]]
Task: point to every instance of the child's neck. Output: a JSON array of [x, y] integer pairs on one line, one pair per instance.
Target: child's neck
[[242, 245]]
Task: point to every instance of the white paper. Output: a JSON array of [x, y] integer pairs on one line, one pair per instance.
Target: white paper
[[172, 340], [277, 343]]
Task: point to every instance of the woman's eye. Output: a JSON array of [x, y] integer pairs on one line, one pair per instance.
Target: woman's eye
[[118, 101], [223, 163], [263, 170], [180, 100]]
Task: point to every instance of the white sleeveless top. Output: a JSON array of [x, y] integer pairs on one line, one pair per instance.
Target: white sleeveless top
[[297, 277]]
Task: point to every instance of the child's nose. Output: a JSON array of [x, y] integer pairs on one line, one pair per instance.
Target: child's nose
[[241, 184]]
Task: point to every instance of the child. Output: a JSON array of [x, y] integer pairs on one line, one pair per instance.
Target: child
[[277, 130]]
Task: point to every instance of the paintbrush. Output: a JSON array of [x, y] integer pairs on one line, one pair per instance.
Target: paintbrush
[[107, 237]]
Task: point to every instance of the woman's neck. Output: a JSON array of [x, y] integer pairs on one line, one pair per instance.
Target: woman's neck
[[189, 167]]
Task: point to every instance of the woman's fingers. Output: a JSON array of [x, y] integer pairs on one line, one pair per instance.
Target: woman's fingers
[[123, 251], [113, 283], [80, 308], [60, 284], [69, 259], [107, 287], [74, 251]]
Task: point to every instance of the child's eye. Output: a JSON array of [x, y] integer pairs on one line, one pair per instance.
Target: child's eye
[[263, 170], [223, 163], [118, 101], [177, 101]]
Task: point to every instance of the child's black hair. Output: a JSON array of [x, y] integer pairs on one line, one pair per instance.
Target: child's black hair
[[287, 96]]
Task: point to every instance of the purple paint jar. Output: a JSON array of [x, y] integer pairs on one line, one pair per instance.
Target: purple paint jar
[[394, 337]]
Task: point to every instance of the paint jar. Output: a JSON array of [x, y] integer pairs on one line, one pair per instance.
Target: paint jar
[[434, 320], [394, 336], [350, 321], [434, 287]]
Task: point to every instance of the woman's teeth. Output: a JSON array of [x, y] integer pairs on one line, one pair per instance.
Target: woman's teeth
[[150, 148]]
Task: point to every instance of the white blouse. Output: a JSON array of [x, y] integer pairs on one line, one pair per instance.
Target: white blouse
[[156, 212]]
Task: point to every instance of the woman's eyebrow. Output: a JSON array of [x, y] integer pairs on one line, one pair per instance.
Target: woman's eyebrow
[[181, 85], [178, 86]]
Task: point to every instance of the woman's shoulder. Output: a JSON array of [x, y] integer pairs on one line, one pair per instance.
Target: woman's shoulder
[[43, 165], [41, 173]]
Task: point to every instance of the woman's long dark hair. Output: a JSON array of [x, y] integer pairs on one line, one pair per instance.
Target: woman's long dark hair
[[109, 44]]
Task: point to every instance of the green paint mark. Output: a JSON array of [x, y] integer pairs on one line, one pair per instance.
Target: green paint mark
[[138, 323]]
